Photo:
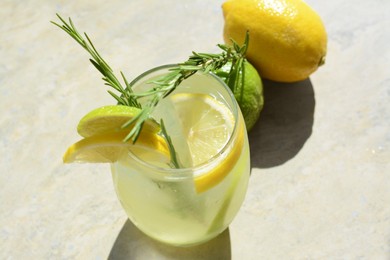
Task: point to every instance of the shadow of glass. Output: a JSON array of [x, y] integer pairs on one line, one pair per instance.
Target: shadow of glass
[[285, 123], [131, 243]]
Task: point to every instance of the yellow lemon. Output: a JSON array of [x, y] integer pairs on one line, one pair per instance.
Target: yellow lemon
[[287, 37]]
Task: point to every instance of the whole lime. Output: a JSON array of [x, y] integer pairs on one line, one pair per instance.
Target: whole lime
[[248, 93]]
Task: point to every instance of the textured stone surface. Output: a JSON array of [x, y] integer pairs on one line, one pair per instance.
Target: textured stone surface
[[320, 183]]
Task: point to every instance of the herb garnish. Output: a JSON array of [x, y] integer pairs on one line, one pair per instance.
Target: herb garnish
[[164, 85]]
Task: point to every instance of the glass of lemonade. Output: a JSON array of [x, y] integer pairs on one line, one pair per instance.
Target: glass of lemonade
[[192, 204]]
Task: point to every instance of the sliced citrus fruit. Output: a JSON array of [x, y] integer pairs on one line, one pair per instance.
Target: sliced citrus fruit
[[208, 125], [216, 175], [108, 148], [109, 119]]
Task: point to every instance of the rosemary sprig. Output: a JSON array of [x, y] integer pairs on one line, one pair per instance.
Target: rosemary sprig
[[164, 85], [125, 97]]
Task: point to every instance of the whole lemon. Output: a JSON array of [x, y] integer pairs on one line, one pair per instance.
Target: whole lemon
[[248, 93], [287, 37]]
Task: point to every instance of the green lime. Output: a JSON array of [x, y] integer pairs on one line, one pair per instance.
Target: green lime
[[109, 119], [249, 95]]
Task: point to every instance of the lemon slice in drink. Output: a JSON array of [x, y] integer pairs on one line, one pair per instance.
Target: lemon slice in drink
[[207, 126], [109, 147], [109, 119]]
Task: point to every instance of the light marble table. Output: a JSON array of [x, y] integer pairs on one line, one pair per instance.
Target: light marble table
[[320, 183]]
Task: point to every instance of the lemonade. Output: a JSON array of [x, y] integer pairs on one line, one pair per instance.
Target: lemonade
[[193, 204], [176, 141]]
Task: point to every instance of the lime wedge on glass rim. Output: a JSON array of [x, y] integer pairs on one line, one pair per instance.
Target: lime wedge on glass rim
[[109, 119]]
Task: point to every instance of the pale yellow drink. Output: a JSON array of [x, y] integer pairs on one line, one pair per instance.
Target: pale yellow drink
[[190, 205]]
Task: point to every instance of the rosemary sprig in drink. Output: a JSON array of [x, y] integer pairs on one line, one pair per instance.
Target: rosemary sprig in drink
[[172, 151], [165, 84]]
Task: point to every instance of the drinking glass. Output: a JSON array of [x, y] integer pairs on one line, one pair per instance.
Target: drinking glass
[[191, 205]]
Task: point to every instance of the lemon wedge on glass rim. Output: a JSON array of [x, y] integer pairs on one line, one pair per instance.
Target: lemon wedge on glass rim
[[103, 136], [207, 130], [109, 147]]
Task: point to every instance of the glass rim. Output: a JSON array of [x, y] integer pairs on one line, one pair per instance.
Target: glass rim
[[183, 173]]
